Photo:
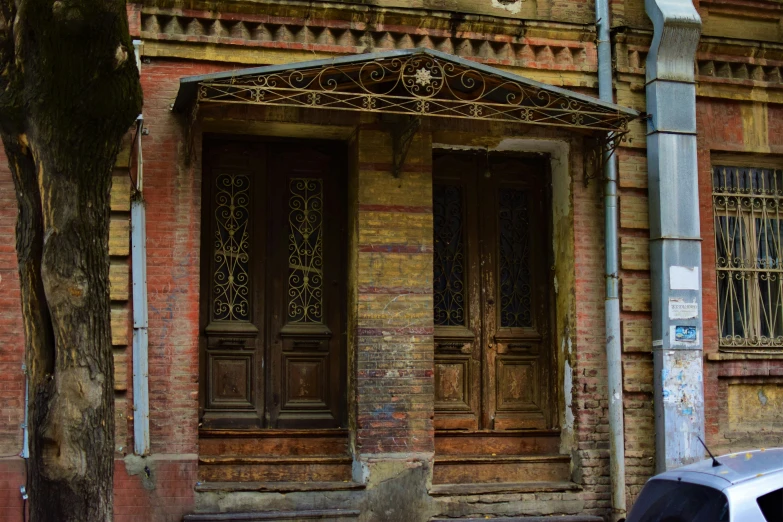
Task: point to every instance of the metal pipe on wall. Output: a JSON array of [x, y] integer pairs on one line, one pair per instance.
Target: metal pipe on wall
[[141, 406], [612, 301], [675, 243]]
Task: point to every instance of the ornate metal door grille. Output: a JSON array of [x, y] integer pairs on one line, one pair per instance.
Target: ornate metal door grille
[[449, 264], [305, 250], [231, 275], [748, 233], [515, 289]]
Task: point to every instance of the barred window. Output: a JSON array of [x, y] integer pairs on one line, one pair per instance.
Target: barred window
[[748, 233]]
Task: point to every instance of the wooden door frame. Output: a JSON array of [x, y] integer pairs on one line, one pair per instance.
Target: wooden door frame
[[259, 285], [549, 337]]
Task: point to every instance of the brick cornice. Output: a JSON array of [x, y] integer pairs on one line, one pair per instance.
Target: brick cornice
[[720, 62], [495, 41]]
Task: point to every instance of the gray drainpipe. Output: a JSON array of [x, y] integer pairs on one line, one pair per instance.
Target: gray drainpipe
[[675, 243], [141, 404], [612, 303]]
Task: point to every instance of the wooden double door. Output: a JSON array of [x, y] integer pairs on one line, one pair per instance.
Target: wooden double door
[[492, 293], [273, 285]]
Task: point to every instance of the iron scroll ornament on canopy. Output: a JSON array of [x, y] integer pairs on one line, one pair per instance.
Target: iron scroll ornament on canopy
[[414, 82]]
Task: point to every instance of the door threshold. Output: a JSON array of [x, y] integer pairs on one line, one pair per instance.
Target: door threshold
[[453, 490], [264, 432], [275, 516], [276, 487], [497, 433]]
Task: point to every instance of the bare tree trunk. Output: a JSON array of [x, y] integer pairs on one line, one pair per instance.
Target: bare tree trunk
[[69, 90]]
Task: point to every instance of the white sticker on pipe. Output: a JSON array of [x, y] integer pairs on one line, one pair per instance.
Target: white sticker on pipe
[[679, 309], [684, 277]]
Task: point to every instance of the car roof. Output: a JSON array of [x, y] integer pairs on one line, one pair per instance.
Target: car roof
[[736, 467]]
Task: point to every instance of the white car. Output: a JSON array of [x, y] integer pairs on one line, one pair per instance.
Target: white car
[[738, 487]]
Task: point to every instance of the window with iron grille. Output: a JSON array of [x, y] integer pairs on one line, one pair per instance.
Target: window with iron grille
[[748, 232]]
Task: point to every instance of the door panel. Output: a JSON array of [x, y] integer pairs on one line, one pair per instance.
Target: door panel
[[273, 351], [233, 204], [456, 296], [489, 225], [307, 289], [518, 337]]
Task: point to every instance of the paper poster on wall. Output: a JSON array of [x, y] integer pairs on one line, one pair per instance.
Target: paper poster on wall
[[684, 336], [684, 277], [680, 309]]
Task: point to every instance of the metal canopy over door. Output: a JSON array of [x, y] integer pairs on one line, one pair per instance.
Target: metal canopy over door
[[273, 349], [493, 354]]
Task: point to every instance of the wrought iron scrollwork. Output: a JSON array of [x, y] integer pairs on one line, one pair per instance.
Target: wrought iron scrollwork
[[231, 258], [305, 250], [514, 249], [416, 84], [749, 264], [449, 262], [600, 150]]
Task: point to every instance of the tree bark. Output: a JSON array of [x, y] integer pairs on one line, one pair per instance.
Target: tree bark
[[69, 91]]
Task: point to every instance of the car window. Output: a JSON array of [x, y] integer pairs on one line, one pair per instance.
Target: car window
[[675, 501], [771, 505]]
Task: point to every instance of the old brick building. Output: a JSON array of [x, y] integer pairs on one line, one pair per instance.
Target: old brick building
[[375, 257]]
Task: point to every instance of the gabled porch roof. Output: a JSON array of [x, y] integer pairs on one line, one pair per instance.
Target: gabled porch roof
[[417, 82]]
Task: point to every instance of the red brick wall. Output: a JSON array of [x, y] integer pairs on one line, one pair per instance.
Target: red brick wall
[[172, 189], [12, 475], [11, 328], [161, 493], [721, 129], [592, 429]]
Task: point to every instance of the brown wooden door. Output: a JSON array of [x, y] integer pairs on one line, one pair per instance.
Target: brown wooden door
[[273, 343], [492, 293]]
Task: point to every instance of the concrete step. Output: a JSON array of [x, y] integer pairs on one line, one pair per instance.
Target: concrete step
[[456, 490], [308, 468], [276, 487], [332, 515], [273, 442], [553, 518], [472, 469], [527, 442]]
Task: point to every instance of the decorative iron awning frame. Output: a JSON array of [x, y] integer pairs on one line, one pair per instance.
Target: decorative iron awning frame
[[414, 82]]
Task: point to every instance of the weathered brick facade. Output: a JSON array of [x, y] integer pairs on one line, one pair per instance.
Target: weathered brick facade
[[390, 369]]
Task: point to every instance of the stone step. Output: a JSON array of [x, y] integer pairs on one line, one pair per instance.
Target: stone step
[[472, 489], [273, 442], [332, 515], [553, 518], [527, 442], [467, 469], [309, 468], [276, 487]]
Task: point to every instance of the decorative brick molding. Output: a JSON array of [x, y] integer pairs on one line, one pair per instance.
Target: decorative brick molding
[[717, 60], [340, 37], [740, 70]]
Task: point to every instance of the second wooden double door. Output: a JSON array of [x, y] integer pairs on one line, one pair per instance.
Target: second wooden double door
[[491, 293]]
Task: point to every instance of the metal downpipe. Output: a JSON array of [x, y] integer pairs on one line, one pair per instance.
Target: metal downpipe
[[141, 406], [612, 301], [675, 235]]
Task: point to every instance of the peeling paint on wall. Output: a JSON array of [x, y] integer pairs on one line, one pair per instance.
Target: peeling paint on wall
[[567, 432], [512, 6]]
